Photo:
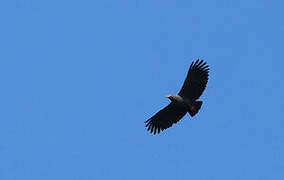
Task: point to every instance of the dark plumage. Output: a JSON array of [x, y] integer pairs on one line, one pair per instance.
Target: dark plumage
[[184, 101]]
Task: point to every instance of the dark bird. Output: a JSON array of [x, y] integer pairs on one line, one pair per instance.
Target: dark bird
[[183, 102]]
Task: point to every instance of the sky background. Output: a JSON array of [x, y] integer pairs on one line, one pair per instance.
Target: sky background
[[79, 78]]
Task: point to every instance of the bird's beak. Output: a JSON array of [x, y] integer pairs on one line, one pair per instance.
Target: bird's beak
[[168, 96]]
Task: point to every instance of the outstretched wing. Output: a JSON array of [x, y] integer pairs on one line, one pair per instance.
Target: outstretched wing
[[196, 80], [165, 118]]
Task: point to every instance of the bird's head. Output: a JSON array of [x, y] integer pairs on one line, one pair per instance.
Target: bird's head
[[170, 96]]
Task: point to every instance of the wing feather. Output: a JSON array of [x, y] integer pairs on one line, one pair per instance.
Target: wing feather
[[165, 118], [195, 81]]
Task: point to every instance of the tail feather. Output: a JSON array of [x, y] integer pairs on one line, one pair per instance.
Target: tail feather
[[194, 108]]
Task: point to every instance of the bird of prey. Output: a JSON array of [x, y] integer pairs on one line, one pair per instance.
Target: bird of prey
[[183, 102]]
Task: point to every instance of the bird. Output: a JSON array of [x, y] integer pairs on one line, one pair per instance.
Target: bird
[[185, 101]]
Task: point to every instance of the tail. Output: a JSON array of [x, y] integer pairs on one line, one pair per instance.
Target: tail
[[194, 108]]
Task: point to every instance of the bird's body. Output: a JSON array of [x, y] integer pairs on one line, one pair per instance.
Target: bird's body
[[180, 101], [184, 101]]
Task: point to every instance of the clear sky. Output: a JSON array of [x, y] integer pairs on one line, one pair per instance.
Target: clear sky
[[79, 78]]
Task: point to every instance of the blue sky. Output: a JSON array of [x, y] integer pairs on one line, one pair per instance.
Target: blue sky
[[79, 78]]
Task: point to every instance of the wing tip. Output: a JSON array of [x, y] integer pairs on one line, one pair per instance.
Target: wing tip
[[153, 128], [199, 65]]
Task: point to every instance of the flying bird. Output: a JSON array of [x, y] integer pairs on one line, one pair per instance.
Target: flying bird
[[183, 102]]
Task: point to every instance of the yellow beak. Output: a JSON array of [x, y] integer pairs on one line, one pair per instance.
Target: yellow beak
[[168, 96]]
